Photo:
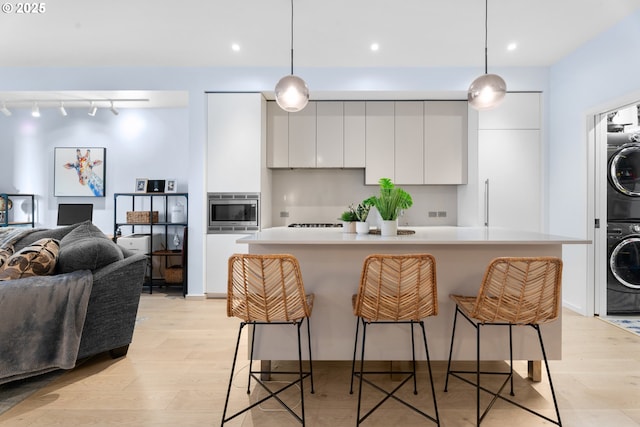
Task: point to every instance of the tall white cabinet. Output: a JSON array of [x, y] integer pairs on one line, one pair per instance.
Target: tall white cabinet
[[507, 189], [236, 162]]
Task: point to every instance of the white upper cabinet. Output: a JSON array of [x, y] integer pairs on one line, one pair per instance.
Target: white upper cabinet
[[354, 134], [519, 110], [330, 134], [380, 136], [277, 136], [445, 142], [302, 137], [234, 135], [409, 142]]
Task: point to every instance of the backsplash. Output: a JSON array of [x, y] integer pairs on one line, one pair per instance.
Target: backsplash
[[321, 195]]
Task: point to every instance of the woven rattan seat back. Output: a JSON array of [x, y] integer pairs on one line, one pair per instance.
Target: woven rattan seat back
[[397, 288], [520, 290], [266, 288]]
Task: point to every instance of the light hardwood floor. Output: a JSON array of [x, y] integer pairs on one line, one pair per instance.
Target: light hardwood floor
[[177, 370]]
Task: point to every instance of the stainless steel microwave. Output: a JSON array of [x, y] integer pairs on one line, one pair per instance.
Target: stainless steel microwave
[[233, 212]]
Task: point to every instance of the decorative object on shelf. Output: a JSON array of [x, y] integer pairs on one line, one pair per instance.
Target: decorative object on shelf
[[155, 186], [8, 206], [292, 93], [389, 202], [177, 213], [172, 186], [487, 91], [142, 217], [349, 219], [89, 166], [141, 185]]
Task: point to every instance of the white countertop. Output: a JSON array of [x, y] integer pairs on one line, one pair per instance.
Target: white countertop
[[422, 236]]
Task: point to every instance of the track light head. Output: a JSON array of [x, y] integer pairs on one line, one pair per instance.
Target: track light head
[[114, 110], [35, 110], [92, 109], [5, 110], [63, 110]]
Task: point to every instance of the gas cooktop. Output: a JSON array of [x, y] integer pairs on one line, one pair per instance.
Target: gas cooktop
[[314, 225]]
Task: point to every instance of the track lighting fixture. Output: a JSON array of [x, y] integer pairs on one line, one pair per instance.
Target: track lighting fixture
[[487, 91], [63, 111], [292, 93], [113, 109], [5, 110], [92, 109], [35, 110]]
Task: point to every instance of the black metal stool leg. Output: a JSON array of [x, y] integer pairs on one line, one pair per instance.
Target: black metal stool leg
[[511, 357], [353, 362], [300, 370], [233, 367], [477, 375], [433, 389], [253, 339], [546, 365], [310, 358], [413, 355], [453, 334], [364, 334]]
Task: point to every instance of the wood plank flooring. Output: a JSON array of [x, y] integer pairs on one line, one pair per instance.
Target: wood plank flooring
[[177, 370]]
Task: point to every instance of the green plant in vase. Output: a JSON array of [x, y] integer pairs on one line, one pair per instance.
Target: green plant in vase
[[362, 212], [349, 218], [390, 201]]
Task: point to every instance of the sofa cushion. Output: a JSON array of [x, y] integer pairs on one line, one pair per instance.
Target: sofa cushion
[[86, 248], [53, 233], [5, 253], [39, 259]]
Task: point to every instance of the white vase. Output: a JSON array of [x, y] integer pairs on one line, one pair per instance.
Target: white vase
[[389, 228], [362, 227], [348, 227]]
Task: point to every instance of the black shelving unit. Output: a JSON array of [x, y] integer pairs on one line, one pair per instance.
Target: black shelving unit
[[4, 213], [160, 229]]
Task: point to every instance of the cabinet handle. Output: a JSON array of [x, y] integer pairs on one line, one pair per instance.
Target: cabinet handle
[[486, 203]]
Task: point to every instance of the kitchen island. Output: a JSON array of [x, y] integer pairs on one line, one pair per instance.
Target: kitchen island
[[331, 263]]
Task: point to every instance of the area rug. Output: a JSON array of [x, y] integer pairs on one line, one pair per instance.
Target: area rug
[[15, 392], [630, 324]]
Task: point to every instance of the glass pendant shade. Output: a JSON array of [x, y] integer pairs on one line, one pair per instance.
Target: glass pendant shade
[[292, 93], [486, 92]]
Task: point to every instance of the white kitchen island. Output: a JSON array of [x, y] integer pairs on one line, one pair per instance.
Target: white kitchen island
[[331, 263]]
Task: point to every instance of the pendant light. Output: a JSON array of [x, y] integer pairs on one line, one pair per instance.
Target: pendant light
[[292, 93], [487, 91]]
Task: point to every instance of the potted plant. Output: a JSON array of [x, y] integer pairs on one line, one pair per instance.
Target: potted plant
[[389, 202], [362, 212], [348, 218]]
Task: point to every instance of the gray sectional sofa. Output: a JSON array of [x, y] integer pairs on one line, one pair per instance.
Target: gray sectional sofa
[[86, 307]]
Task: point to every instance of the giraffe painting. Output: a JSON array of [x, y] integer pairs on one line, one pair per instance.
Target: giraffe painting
[[89, 173]]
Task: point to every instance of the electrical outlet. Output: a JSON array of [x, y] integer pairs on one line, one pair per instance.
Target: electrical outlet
[[433, 214], [284, 214], [442, 214]]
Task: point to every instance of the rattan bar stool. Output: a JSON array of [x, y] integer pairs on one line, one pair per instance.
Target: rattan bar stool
[[268, 290], [515, 291], [395, 289]]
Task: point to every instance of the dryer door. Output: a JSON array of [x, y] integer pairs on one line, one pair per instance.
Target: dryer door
[[624, 170], [624, 262]]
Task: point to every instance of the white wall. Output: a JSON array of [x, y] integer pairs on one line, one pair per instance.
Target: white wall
[[585, 82]]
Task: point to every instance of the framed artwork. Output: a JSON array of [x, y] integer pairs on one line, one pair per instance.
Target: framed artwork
[[141, 185], [155, 186], [172, 186], [79, 171]]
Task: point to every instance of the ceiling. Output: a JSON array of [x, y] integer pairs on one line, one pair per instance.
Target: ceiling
[[327, 33]]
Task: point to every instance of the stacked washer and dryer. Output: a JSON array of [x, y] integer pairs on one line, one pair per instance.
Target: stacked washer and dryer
[[623, 223]]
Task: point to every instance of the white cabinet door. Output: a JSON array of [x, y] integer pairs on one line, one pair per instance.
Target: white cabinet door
[[511, 161], [277, 136], [234, 135], [409, 142], [330, 134], [219, 248], [354, 134], [380, 134], [446, 142], [302, 137], [518, 111]]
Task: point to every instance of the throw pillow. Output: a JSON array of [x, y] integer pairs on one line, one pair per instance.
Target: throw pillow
[[5, 253], [39, 259], [87, 248]]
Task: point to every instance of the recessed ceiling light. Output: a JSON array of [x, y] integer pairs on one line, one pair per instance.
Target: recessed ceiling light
[[235, 47], [375, 47], [512, 46]]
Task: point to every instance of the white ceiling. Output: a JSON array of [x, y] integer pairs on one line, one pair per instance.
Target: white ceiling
[[331, 33]]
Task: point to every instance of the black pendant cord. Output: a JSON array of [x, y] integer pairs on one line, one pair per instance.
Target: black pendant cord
[[486, 32], [292, 37]]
